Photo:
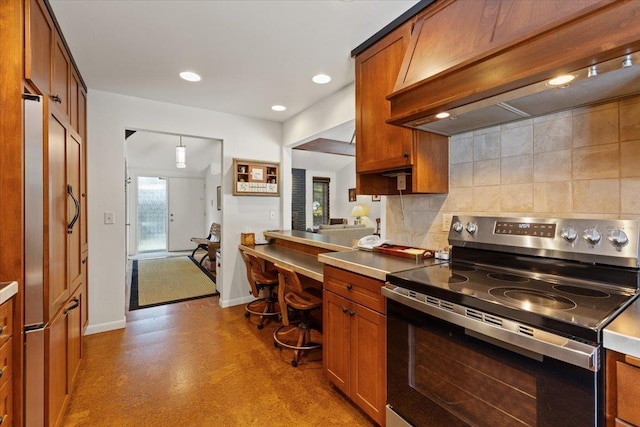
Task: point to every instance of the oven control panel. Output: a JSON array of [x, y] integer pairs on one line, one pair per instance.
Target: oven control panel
[[533, 229], [614, 242]]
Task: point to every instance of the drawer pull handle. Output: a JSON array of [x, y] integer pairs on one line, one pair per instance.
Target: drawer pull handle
[[352, 313], [56, 98], [1, 329], [1, 372], [345, 309], [349, 286], [84, 260], [76, 303]]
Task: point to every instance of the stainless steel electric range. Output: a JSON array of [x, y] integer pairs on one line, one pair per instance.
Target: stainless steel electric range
[[509, 331]]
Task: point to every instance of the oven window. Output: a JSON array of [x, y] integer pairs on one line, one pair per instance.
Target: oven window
[[440, 375]]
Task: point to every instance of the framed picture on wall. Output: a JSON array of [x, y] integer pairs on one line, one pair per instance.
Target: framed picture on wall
[[352, 194], [375, 198], [219, 198]]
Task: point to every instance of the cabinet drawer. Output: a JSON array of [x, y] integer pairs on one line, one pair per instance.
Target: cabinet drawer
[[6, 404], [6, 322], [5, 363], [628, 378], [360, 289]]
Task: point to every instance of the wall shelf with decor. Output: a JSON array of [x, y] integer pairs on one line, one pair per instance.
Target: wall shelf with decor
[[255, 178]]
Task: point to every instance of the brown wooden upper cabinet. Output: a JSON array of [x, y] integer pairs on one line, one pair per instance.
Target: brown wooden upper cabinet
[[380, 148], [49, 67], [39, 36]]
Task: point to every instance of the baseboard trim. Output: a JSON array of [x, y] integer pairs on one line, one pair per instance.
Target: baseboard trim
[[105, 327], [224, 303]]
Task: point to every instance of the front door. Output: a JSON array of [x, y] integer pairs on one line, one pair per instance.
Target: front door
[[186, 212]]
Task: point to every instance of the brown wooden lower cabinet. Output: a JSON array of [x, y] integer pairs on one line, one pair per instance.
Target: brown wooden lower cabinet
[[354, 339], [622, 389], [6, 363], [64, 344]]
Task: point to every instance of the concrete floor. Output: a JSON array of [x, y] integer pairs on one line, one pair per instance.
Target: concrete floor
[[196, 364]]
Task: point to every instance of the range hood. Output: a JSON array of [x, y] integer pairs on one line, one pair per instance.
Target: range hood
[[603, 82], [494, 64]]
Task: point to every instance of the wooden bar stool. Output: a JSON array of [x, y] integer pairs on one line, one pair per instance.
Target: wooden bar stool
[[266, 308], [292, 296]]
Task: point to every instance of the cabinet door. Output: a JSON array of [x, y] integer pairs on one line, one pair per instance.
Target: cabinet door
[[336, 340], [380, 146], [74, 94], [82, 130], [58, 285], [57, 371], [38, 44], [60, 79], [74, 322], [368, 356], [74, 212]]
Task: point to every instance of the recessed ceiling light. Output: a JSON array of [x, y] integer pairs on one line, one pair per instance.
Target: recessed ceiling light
[[561, 80], [321, 79], [442, 115], [190, 76], [278, 107]]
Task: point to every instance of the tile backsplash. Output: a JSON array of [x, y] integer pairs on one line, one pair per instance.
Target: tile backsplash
[[573, 164]]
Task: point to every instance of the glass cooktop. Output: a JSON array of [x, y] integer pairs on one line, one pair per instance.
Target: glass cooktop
[[544, 300]]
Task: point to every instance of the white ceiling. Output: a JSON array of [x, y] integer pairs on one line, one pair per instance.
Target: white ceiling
[[250, 54]]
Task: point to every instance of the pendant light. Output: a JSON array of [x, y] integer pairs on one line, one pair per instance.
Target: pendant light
[[181, 155]]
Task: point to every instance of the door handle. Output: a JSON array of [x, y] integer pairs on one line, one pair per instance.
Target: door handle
[[77, 205]]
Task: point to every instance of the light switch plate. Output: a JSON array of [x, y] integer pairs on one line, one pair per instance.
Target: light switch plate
[[109, 218], [446, 221]]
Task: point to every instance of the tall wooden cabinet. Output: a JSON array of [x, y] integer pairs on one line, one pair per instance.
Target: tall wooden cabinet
[[383, 151], [354, 339], [49, 70]]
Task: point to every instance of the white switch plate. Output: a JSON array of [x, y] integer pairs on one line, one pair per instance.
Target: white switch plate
[[446, 221], [402, 182], [109, 218], [272, 215]]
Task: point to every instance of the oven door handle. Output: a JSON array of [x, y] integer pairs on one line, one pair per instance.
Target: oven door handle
[[581, 354]]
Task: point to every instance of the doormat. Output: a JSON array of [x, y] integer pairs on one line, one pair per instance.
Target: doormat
[[163, 281]]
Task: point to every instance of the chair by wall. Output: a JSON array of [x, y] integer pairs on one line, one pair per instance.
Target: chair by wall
[[265, 308], [209, 243], [292, 296]]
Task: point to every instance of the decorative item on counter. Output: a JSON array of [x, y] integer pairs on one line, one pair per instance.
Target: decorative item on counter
[[442, 253], [404, 251], [248, 239]]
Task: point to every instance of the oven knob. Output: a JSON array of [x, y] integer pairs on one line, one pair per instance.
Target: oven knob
[[569, 234], [618, 238], [457, 227], [471, 227], [591, 235]]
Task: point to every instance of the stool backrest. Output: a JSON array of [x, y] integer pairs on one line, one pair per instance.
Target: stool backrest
[[288, 281], [254, 271]]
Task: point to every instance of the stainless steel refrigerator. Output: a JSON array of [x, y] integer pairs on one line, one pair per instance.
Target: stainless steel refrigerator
[[34, 310]]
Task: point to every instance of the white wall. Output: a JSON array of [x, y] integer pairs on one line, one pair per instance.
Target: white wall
[[108, 116], [346, 179]]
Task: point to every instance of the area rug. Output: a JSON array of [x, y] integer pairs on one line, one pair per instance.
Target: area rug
[[168, 280]]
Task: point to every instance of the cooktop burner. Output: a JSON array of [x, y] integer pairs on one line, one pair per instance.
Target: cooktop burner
[[524, 298]]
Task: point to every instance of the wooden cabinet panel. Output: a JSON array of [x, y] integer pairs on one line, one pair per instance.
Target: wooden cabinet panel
[[74, 345], [74, 214], [6, 321], [60, 78], [368, 361], [481, 26], [380, 146], [38, 45], [335, 340], [74, 93], [6, 403], [360, 289], [5, 363], [82, 130], [354, 341], [58, 285], [57, 368], [628, 379]]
